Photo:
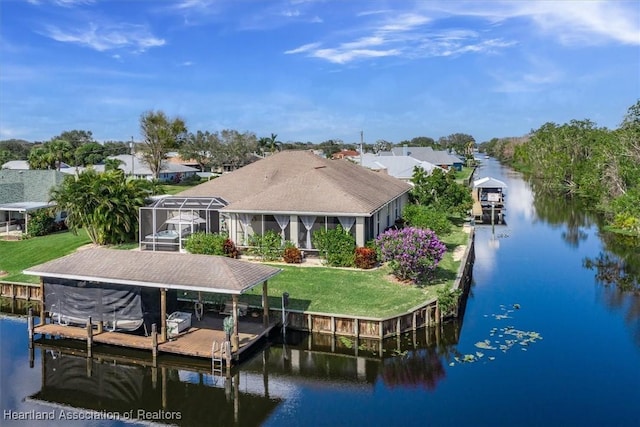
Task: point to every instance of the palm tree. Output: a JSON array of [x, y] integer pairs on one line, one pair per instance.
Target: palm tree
[[41, 158], [273, 143], [105, 205], [61, 150], [112, 164]]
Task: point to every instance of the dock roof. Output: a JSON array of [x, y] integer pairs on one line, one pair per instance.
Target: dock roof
[[488, 182], [206, 273]]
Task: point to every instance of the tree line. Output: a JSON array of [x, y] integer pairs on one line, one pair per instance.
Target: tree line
[[160, 134], [580, 159]]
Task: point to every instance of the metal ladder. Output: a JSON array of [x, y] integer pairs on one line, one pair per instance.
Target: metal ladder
[[216, 361]]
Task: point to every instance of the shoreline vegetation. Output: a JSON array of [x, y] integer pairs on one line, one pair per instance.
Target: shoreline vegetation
[[578, 159]]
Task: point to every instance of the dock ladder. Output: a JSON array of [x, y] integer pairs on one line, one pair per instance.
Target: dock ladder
[[217, 359], [218, 355]]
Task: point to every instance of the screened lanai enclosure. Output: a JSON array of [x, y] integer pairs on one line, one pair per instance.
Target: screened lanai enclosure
[[167, 223]]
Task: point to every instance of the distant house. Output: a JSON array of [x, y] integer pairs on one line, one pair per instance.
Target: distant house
[[24, 191], [24, 165], [344, 153], [400, 167], [294, 193], [134, 165], [440, 158]]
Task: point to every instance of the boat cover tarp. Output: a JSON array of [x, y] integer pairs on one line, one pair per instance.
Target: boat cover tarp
[[104, 302]]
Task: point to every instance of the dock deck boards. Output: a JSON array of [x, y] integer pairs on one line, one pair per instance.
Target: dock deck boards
[[196, 341]]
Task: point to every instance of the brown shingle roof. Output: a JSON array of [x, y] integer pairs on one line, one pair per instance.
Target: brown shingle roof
[[301, 182], [206, 273]]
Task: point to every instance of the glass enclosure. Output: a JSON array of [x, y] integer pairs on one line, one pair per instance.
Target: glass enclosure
[[168, 222]]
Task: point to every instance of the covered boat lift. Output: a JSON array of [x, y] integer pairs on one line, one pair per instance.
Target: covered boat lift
[[488, 198], [107, 284]]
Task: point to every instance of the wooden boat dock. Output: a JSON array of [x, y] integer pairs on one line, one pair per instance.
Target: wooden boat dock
[[196, 341]]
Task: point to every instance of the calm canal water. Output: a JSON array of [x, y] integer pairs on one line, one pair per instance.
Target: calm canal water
[[542, 342]]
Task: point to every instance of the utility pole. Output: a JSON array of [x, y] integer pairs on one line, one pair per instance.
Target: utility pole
[[132, 155], [361, 144]]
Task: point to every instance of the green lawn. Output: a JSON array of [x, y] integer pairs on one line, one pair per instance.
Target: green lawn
[[16, 256], [177, 188], [331, 290], [355, 292], [320, 289]]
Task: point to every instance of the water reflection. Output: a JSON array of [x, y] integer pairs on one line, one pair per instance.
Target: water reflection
[[117, 384], [563, 212]]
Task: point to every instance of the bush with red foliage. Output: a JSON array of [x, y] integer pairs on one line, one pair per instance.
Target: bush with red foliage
[[230, 249], [366, 258], [292, 255]]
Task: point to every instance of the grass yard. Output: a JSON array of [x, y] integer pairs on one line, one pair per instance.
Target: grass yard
[[321, 289], [173, 189], [331, 290], [18, 255], [355, 292]]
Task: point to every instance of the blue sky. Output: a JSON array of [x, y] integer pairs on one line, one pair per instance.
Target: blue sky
[[313, 70]]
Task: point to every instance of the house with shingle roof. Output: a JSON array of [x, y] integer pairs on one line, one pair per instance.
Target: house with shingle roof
[[427, 154], [401, 167], [295, 193]]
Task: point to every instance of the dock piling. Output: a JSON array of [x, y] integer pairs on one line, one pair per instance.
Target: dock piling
[[154, 344], [89, 338], [30, 327]]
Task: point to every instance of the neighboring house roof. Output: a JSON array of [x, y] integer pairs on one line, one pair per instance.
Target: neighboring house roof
[[345, 153], [19, 186], [24, 165], [488, 182], [205, 273], [427, 154], [16, 165], [299, 182], [140, 168], [400, 167]]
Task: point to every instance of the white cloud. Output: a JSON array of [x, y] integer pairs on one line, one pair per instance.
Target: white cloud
[[304, 48], [535, 74], [419, 32], [570, 22], [589, 22], [403, 35], [108, 37], [342, 56], [193, 4]]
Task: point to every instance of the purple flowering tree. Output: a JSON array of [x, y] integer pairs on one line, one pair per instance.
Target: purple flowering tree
[[413, 253]]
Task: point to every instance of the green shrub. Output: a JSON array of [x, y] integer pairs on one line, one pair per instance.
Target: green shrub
[[427, 217], [209, 244], [268, 246], [191, 180], [447, 300], [366, 258], [336, 246], [41, 222]]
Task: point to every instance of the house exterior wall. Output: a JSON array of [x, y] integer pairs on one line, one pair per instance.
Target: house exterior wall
[[364, 229]]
